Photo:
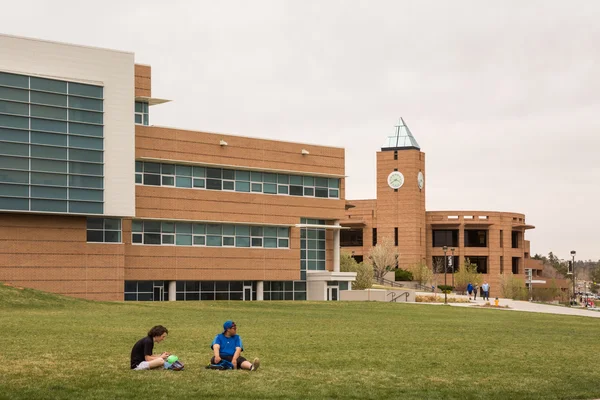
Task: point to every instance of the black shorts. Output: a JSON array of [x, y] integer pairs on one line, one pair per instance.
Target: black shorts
[[240, 360]]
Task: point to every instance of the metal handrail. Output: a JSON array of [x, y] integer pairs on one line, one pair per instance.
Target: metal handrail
[[387, 282], [396, 296]]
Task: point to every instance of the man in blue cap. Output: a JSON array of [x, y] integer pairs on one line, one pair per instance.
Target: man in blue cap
[[228, 346]]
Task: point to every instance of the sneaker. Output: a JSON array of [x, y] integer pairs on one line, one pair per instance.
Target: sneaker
[[255, 364]]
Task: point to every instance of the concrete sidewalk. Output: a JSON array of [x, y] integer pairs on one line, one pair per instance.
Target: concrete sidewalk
[[517, 305]]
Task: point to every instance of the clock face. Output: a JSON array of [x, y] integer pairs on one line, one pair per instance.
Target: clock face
[[395, 180], [420, 180]]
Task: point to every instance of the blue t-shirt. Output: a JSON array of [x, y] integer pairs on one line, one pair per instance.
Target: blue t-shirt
[[228, 344]]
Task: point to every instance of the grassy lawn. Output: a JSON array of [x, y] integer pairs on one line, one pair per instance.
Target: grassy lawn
[[60, 348]]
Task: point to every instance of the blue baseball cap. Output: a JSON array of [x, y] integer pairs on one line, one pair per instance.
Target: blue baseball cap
[[228, 324]]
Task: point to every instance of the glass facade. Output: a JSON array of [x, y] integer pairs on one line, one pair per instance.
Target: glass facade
[[284, 290], [141, 113], [211, 235], [51, 145], [312, 247], [187, 176]]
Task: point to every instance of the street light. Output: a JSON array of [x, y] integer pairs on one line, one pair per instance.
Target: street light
[[452, 265], [573, 252], [445, 248]]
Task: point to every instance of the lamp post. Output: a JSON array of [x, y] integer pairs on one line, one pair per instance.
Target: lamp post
[[573, 252], [445, 248], [452, 264]]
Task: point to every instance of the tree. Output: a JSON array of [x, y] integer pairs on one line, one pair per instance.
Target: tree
[[384, 257], [438, 265], [465, 275], [421, 273], [364, 271], [513, 287], [595, 278]]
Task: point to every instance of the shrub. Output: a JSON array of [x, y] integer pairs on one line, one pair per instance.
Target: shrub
[[403, 275], [445, 288]]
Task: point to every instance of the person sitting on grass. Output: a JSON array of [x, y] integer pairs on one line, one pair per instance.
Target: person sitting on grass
[[228, 346], [141, 353]]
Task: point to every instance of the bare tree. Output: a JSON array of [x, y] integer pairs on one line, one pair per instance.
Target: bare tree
[[421, 273], [384, 257]]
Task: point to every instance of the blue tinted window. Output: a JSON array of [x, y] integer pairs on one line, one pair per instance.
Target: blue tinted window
[[48, 85], [85, 90], [14, 94], [11, 121], [8, 203], [7, 79], [48, 99], [10, 107]]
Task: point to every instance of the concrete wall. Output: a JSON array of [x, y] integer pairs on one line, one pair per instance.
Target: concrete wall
[[377, 295]]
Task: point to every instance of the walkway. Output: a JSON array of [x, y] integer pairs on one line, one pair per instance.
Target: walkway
[[517, 305]]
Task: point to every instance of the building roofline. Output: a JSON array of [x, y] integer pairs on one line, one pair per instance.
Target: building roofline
[[246, 137], [66, 43]]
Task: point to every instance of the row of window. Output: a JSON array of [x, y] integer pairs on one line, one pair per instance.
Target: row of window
[[14, 109], [43, 165], [185, 176], [50, 85], [44, 205], [46, 125], [213, 290], [213, 235], [54, 179], [472, 237]]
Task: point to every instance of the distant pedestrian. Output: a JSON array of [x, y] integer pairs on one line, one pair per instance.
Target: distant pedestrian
[[475, 288], [470, 290], [481, 292], [486, 291]]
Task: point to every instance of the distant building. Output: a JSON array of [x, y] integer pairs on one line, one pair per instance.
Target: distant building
[[494, 241], [97, 203]]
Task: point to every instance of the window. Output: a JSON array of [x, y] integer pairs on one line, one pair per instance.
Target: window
[[284, 290], [501, 264], [445, 237], [104, 230], [480, 262], [396, 236], [184, 176], [515, 265], [515, 239], [351, 237], [168, 233], [374, 236], [475, 238], [312, 246], [44, 123], [141, 113], [501, 238], [452, 263]]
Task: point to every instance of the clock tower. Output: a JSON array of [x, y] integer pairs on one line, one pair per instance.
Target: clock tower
[[400, 207]]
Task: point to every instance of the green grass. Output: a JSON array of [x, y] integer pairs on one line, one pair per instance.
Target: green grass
[[60, 348]]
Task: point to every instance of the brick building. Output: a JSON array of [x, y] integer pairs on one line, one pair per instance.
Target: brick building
[[97, 203], [494, 241]]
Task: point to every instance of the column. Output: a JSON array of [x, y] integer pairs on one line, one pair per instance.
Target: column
[[259, 290], [336, 247], [172, 290]]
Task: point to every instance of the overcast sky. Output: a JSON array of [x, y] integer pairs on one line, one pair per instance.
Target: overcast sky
[[502, 96]]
